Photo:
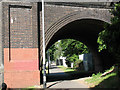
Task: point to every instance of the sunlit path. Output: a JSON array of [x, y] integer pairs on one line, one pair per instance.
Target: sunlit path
[[55, 70]]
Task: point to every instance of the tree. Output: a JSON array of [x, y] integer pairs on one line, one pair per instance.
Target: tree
[[72, 49], [109, 38], [69, 48], [58, 51], [52, 50]]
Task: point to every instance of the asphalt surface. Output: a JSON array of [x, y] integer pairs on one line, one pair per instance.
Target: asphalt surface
[[58, 79]]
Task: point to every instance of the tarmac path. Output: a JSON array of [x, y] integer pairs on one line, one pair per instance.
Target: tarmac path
[[58, 79]]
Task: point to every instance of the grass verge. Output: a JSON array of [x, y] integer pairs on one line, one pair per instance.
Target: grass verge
[[108, 79], [66, 69]]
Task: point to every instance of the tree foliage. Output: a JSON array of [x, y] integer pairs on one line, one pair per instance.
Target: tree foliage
[[69, 48], [109, 38], [52, 50], [72, 48], [58, 51]]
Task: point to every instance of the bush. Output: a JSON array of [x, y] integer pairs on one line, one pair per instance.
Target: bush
[[79, 65], [109, 38]]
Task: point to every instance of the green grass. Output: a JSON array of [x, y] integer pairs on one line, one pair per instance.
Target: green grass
[[30, 88], [66, 69], [75, 73], [97, 79], [106, 79]]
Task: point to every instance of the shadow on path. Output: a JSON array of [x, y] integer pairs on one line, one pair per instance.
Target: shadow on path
[[59, 75]]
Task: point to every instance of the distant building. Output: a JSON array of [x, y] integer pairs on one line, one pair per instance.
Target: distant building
[[86, 58], [81, 57], [61, 61]]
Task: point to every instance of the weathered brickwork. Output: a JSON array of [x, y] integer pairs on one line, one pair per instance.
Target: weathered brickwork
[[21, 27], [57, 16], [80, 23], [22, 31], [21, 52]]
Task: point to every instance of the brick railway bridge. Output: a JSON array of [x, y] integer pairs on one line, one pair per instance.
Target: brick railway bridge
[[21, 34]]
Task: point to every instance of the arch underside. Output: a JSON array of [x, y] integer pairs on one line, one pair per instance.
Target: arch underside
[[82, 28], [80, 25]]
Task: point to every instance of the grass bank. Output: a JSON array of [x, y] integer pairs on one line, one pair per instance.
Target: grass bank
[[108, 79]]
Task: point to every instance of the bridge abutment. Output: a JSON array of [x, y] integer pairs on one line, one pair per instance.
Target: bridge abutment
[[21, 50], [97, 60]]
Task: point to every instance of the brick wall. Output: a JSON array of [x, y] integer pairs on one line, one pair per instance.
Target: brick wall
[[21, 52], [21, 27], [21, 32], [65, 21], [57, 16]]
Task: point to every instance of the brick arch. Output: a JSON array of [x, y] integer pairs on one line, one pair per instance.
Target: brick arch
[[95, 19], [78, 15]]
